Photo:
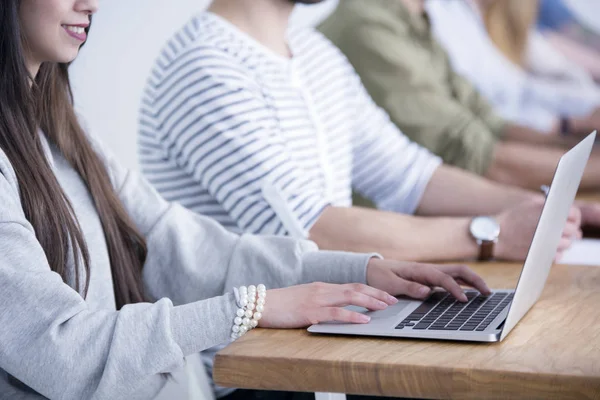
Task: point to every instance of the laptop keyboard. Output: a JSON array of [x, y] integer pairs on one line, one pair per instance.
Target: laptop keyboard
[[442, 312]]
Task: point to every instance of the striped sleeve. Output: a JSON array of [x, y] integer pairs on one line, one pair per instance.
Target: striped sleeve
[[388, 168], [215, 123]]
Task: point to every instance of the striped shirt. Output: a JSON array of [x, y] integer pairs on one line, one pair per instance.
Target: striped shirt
[[263, 143]]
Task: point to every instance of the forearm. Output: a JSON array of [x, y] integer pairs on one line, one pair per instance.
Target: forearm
[[204, 260], [531, 166], [523, 134], [454, 192], [582, 126], [394, 235]]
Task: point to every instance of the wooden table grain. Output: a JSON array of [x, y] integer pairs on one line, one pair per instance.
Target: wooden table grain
[[553, 353]]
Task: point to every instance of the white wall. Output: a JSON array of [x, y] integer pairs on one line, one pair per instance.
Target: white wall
[[109, 74]]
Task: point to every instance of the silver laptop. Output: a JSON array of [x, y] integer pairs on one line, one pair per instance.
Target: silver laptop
[[484, 318]]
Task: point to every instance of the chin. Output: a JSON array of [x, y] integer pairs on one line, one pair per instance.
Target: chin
[[66, 57]]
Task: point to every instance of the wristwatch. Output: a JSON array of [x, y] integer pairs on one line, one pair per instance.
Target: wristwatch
[[485, 231]]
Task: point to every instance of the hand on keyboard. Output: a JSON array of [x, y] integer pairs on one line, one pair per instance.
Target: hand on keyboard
[[417, 280]]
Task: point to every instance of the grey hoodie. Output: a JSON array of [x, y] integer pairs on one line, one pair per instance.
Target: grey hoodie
[[56, 344]]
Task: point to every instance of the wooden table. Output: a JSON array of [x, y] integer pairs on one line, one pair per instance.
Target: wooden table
[[553, 353]]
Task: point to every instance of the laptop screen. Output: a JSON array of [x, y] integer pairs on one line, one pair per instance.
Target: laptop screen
[[549, 230]]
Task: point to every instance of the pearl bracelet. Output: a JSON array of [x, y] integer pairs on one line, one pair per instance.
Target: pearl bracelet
[[251, 302]]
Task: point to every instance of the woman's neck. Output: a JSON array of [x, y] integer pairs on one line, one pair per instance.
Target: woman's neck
[[33, 67]]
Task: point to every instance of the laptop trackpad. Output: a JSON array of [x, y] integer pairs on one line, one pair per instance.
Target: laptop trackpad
[[391, 311], [384, 318]]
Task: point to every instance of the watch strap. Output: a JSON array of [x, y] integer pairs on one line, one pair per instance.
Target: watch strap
[[486, 250]]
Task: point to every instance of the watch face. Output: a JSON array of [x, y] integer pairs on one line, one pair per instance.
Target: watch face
[[485, 228]]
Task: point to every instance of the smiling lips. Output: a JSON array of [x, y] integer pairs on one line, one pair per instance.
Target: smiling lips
[[76, 31]]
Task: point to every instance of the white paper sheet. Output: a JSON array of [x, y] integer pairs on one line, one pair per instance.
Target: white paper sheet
[[583, 252]]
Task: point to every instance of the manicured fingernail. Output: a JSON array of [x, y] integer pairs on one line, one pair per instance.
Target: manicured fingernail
[[392, 299], [364, 318], [382, 304], [424, 291]]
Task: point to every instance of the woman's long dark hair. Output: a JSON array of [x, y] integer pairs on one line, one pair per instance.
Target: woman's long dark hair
[[46, 105]]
